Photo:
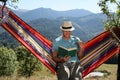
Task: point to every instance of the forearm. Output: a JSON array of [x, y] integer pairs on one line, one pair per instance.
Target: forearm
[[56, 59], [81, 53]]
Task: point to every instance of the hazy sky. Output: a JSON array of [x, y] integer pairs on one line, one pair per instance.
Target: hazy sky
[[60, 5]]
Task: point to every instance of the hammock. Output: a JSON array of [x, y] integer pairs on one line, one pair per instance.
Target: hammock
[[97, 50]]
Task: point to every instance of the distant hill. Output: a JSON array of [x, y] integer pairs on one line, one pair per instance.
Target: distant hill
[[48, 22], [87, 27], [51, 28], [52, 14], [20, 11]]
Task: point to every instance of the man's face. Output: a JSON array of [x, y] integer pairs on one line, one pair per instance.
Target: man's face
[[66, 34]]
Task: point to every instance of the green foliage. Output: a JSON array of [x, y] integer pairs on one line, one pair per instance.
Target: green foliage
[[8, 61], [113, 22], [14, 0], [7, 40], [113, 19], [28, 64], [12, 3]]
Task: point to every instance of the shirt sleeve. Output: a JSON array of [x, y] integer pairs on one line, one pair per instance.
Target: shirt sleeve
[[77, 39], [54, 46]]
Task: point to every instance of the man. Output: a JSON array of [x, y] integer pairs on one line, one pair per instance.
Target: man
[[68, 68]]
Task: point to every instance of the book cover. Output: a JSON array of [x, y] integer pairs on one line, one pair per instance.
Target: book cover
[[62, 51]]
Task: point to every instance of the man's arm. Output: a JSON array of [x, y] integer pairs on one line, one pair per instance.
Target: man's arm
[[57, 59], [81, 51]]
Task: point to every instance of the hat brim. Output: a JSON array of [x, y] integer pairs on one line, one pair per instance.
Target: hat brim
[[67, 29]]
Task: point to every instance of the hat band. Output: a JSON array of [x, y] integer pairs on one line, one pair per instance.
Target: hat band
[[67, 27]]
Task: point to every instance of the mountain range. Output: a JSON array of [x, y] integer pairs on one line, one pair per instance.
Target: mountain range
[[50, 14], [47, 22]]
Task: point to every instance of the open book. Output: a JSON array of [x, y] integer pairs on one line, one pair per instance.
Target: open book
[[62, 51]]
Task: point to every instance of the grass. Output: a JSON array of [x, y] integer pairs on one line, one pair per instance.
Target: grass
[[110, 71]]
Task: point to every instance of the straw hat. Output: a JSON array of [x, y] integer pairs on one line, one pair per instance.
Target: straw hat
[[67, 26]]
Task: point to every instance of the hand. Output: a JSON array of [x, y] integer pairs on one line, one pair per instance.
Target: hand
[[81, 44], [65, 58]]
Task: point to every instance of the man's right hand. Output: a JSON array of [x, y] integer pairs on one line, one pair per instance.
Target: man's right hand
[[65, 58]]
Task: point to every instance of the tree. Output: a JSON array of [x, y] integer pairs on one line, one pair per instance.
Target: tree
[[28, 64], [5, 3], [8, 61], [9, 2], [113, 18], [113, 22]]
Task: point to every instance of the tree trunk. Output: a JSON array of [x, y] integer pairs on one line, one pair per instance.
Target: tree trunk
[[118, 70], [116, 33], [116, 36]]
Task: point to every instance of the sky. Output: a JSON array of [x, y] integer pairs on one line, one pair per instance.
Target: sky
[[60, 5]]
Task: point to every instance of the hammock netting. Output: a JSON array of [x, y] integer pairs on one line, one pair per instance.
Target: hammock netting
[[97, 50]]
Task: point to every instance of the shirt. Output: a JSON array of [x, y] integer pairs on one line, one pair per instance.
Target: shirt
[[72, 42]]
